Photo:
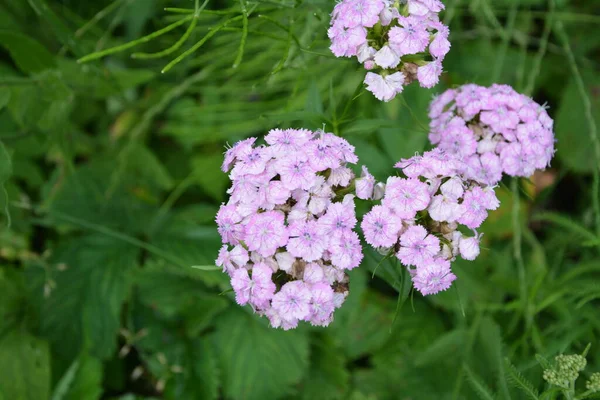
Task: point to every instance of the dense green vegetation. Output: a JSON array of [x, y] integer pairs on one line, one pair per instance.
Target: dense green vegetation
[[110, 180]]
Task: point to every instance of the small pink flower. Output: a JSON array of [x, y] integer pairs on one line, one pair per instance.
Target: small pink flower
[[381, 227], [292, 302], [433, 277], [417, 247]]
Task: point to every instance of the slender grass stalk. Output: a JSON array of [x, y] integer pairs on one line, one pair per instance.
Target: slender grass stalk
[[144, 39], [240, 53], [517, 252], [180, 42], [199, 44], [537, 62], [98, 17], [506, 36]]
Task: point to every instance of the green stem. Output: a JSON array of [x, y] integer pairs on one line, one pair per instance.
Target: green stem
[[181, 40], [195, 47], [240, 54], [136, 42]]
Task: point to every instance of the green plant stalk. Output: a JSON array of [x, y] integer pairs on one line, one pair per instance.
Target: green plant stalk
[[144, 39], [537, 62], [517, 253], [240, 54], [181, 40], [195, 47]]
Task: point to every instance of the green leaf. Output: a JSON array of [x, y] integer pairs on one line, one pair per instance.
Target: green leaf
[[208, 174], [574, 147], [314, 103], [84, 195], [446, 345], [519, 381], [258, 362], [89, 294], [4, 97], [24, 366], [5, 172], [327, 378], [145, 164], [478, 385], [179, 298], [82, 381], [29, 55]]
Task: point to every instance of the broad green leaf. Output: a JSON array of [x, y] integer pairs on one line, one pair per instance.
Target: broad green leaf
[[24, 366], [5, 172], [179, 298], [445, 346], [82, 381], [328, 377], [4, 97], [574, 147], [29, 55], [85, 195], [147, 166], [208, 174], [89, 294], [258, 362]]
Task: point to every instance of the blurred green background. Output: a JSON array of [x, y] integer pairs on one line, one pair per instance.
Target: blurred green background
[[109, 177]]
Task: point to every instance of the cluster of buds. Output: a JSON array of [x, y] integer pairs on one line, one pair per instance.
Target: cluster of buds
[[495, 130], [288, 226], [566, 370], [397, 41], [420, 214]]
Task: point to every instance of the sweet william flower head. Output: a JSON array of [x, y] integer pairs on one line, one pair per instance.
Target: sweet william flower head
[[498, 129], [288, 226], [420, 214], [399, 42]]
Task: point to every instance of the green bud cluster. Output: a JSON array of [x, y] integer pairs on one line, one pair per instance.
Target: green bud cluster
[[566, 370], [593, 384]]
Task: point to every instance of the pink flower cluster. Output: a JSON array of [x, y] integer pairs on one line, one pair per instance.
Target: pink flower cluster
[[288, 226], [419, 216], [397, 43], [495, 130]]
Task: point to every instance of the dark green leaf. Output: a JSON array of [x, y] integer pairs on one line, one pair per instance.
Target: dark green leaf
[[27, 53]]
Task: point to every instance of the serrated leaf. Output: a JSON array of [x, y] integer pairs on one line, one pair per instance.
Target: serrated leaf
[[519, 381], [89, 294], [29, 55], [258, 362], [24, 366]]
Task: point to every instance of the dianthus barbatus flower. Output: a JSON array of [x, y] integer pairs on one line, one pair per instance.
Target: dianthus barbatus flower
[[288, 227], [420, 213], [495, 130], [398, 42]]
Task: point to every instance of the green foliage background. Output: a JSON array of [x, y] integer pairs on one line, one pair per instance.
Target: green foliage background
[[109, 183]]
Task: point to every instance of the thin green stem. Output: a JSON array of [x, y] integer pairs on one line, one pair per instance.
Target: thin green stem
[[181, 40], [507, 34], [517, 251], [97, 18], [195, 47], [240, 54], [537, 62], [144, 39]]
